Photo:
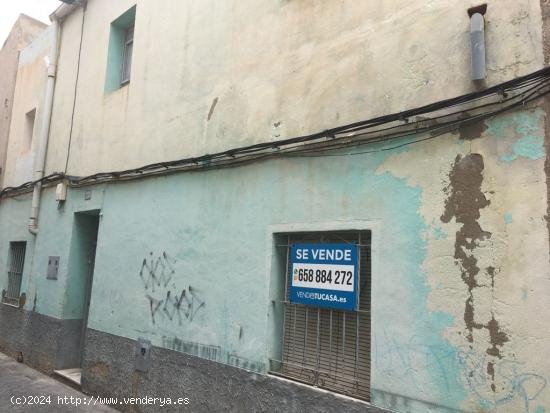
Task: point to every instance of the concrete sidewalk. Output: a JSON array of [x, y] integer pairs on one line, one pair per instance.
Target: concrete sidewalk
[[20, 385]]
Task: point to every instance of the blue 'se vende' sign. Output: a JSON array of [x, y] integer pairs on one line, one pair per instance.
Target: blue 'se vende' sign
[[324, 275]]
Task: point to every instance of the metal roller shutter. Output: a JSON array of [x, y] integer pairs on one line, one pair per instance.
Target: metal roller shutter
[[326, 348]]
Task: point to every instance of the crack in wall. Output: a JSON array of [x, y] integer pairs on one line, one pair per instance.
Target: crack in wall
[[464, 203]]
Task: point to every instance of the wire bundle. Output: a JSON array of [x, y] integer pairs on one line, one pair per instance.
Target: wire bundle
[[426, 122]]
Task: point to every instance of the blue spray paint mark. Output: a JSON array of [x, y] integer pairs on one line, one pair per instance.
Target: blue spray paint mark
[[540, 409], [508, 218], [418, 358]]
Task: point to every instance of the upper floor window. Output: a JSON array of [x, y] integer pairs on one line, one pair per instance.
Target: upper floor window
[[127, 56], [29, 129], [121, 46]]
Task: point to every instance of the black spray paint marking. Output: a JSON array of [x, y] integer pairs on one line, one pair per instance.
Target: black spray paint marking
[[183, 305], [157, 272]]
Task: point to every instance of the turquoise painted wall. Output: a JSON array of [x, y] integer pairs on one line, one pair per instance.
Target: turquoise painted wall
[[54, 298], [208, 233], [13, 216], [213, 227]]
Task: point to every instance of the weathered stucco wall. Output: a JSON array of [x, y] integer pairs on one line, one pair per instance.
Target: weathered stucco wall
[[28, 97], [460, 242], [485, 266], [460, 238], [205, 78], [24, 30], [460, 268]]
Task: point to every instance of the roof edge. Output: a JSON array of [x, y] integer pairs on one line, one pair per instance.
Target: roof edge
[[34, 20], [65, 9]]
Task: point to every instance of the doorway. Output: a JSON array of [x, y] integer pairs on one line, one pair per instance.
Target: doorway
[[78, 294]]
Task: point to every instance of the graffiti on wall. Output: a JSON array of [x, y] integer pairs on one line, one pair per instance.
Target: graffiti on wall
[[165, 300], [513, 382], [157, 272], [213, 353], [411, 361]]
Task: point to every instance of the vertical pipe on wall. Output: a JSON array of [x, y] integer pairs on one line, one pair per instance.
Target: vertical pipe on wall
[[477, 44], [40, 160]]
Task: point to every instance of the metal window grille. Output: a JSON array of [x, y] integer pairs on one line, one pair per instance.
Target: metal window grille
[[16, 261], [327, 348], [127, 55]]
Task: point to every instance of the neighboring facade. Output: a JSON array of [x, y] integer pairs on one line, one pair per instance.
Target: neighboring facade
[[173, 283], [27, 111], [23, 32]]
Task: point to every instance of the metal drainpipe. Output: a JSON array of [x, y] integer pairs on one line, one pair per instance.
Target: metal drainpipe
[[477, 42], [40, 161]]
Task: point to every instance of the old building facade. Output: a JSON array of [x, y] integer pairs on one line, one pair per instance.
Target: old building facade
[[191, 145], [22, 33]]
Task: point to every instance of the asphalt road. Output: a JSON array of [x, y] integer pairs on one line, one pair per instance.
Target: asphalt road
[[20, 386]]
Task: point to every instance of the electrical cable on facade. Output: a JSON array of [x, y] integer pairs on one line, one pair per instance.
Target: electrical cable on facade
[[505, 96]]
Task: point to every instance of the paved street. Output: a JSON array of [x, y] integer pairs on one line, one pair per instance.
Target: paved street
[[18, 382]]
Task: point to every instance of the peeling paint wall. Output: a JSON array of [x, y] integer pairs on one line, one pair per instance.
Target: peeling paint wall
[[459, 286], [461, 272], [485, 266]]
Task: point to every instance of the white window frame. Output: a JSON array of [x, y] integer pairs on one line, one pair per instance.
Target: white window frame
[[127, 54]]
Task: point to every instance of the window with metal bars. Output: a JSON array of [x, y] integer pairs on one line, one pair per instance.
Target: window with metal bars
[[16, 262], [326, 348]]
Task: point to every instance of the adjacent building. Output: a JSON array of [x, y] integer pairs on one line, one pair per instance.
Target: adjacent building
[[22, 33], [197, 162]]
